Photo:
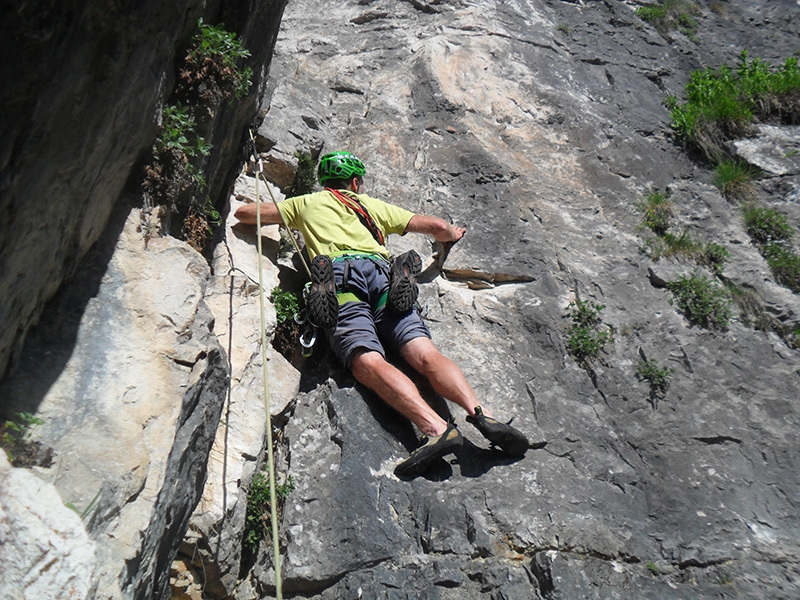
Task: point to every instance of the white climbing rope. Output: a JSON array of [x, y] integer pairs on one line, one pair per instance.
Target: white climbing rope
[[271, 458]]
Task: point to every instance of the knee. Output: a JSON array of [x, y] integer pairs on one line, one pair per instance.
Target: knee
[[365, 362], [422, 355]]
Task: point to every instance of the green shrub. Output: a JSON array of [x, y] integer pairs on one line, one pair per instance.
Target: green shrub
[[657, 212], [287, 304], [657, 377], [305, 179], [14, 431], [734, 179], [722, 103], [702, 301], [766, 225], [178, 134], [220, 48], [785, 265], [258, 521], [667, 15], [587, 336], [20, 451]]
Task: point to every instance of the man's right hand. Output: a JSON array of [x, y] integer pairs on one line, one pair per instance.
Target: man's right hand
[[441, 230]]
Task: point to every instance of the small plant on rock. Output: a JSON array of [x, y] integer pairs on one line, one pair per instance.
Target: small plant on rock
[[287, 304], [587, 336], [670, 245], [21, 451], [304, 176], [653, 568], [657, 212], [766, 225], [258, 522], [211, 65], [656, 376], [785, 265], [702, 301], [714, 256], [668, 15]]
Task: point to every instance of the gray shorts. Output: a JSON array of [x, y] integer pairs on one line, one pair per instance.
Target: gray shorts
[[364, 322]]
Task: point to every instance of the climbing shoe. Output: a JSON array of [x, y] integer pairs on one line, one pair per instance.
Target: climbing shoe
[[431, 449], [403, 288], [321, 300], [504, 436]]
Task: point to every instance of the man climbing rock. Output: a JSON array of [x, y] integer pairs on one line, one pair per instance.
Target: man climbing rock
[[367, 303]]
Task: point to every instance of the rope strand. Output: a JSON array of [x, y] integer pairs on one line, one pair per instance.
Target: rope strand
[[270, 453]]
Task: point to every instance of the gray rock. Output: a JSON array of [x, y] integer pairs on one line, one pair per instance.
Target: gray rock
[[540, 127], [46, 552]]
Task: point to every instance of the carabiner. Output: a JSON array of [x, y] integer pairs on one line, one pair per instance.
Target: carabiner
[[306, 341]]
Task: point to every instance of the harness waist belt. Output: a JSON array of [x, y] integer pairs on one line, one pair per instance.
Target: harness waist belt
[[345, 297]]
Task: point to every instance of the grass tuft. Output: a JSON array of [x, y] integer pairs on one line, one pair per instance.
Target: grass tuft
[[734, 178]]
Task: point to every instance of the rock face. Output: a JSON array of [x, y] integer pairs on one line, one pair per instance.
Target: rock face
[[124, 368], [83, 88], [540, 127], [42, 540]]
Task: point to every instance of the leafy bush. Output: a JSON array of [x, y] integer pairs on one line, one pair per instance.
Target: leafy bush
[[21, 451], [657, 377], [287, 304], [766, 225], [305, 179], [219, 49], [258, 522], [734, 179], [587, 336], [702, 301], [722, 103], [178, 134]]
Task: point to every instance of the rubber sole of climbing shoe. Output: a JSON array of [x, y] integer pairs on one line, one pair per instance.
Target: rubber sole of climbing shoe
[[403, 289], [321, 300], [510, 440], [433, 448]]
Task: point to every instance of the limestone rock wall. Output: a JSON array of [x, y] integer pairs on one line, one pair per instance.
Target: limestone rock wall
[[123, 369], [539, 126], [83, 87]]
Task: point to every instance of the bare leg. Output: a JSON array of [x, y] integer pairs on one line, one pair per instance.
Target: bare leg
[[397, 390], [445, 376]]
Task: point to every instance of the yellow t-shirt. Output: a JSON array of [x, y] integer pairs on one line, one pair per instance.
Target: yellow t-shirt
[[329, 227]]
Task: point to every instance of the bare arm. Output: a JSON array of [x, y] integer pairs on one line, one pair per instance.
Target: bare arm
[[441, 230], [269, 214]]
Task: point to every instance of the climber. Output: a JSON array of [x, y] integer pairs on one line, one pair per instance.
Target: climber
[[367, 303]]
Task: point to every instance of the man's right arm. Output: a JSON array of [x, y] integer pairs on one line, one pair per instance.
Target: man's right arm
[[439, 229], [247, 214]]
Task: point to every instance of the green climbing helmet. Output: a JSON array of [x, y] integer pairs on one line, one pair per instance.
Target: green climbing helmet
[[339, 165]]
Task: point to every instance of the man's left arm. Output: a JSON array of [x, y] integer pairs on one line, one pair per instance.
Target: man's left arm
[[248, 213], [439, 229]]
